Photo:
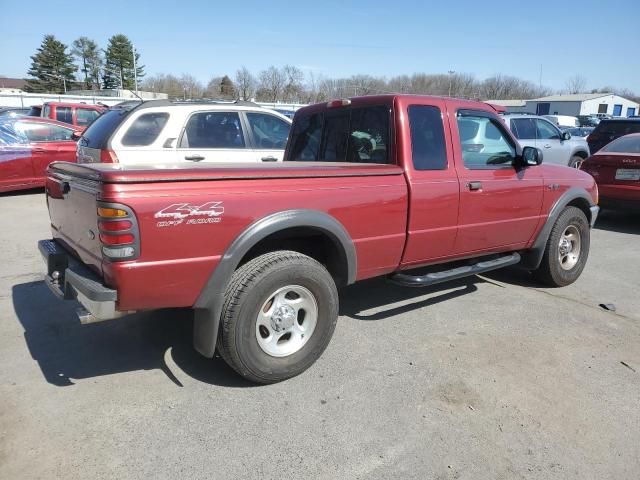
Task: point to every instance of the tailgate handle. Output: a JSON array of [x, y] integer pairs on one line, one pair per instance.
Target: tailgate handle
[[194, 158]]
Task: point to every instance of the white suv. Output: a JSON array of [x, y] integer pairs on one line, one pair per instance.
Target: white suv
[[161, 131]]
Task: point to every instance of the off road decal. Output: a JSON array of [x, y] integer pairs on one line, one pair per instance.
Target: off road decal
[[178, 213]]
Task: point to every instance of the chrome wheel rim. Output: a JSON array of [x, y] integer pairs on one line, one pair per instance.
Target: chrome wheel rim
[[286, 321], [569, 247], [578, 163]]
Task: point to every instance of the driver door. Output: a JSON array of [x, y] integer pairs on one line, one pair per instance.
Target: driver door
[[499, 204]]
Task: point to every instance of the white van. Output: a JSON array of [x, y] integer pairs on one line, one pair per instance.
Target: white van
[[162, 131], [564, 120]]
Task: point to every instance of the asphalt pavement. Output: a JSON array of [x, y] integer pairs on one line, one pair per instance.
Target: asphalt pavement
[[492, 377]]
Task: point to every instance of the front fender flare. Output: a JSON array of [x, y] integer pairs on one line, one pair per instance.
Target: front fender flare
[[208, 306]]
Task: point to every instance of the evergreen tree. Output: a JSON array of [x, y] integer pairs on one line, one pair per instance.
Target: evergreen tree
[[119, 64], [49, 66], [227, 88], [86, 50]]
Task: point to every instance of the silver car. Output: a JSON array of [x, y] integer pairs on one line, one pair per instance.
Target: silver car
[[558, 147]]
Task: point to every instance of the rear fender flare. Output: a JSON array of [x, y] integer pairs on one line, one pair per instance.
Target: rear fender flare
[[208, 306]]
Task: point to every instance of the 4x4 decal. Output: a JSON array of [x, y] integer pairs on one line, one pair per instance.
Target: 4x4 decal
[[177, 213]]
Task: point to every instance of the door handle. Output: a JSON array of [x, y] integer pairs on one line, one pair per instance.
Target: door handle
[[194, 158], [474, 185], [39, 149], [547, 146], [269, 159]]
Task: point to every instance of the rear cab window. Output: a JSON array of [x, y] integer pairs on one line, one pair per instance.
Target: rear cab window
[[353, 134]]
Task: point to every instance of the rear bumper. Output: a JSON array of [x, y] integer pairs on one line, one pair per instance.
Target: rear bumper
[[69, 279]]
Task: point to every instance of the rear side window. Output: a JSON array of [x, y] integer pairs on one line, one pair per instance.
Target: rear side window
[[269, 131], [213, 130], [97, 135], [483, 142], [630, 144], [145, 129], [427, 138], [523, 128], [64, 114], [46, 111], [85, 116], [359, 135]]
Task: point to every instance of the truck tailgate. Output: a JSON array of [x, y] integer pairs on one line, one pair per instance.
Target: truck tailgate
[[73, 213]]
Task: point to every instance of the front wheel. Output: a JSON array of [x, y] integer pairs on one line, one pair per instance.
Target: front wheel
[[576, 161], [567, 249], [279, 315]]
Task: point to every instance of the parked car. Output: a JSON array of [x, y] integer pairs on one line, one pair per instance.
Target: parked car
[[582, 132], [563, 120], [161, 131], [616, 169], [370, 186], [558, 146], [588, 120], [610, 129], [77, 114], [7, 112], [27, 146]]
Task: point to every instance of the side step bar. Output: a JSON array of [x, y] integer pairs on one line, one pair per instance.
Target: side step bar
[[454, 273]]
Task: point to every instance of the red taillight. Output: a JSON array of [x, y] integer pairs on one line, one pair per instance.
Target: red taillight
[[108, 156], [115, 226], [343, 102], [121, 239]]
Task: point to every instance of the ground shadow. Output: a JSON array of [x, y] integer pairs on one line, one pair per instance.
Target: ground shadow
[[22, 193], [619, 221], [66, 350], [376, 293]]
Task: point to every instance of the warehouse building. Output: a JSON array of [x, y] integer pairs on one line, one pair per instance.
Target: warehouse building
[[583, 104]]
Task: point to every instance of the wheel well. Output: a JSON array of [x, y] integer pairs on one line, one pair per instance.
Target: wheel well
[[581, 154], [309, 241], [583, 205]]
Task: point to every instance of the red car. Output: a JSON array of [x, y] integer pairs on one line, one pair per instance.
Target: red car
[[28, 145], [78, 114], [370, 186], [616, 169]]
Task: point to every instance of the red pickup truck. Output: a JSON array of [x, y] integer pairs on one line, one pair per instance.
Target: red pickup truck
[[370, 186]]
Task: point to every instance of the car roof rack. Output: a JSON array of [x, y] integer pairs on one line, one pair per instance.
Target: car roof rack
[[130, 104]]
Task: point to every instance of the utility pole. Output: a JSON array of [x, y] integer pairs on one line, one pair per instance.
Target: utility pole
[[135, 70], [451, 72]]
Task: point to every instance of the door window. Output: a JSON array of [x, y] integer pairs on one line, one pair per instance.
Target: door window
[[43, 132], [85, 116], [269, 131], [546, 131], [427, 138], [484, 143], [145, 129], [524, 128], [64, 114], [213, 130]]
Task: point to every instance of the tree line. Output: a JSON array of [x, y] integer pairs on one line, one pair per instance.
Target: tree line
[[289, 84], [53, 66]]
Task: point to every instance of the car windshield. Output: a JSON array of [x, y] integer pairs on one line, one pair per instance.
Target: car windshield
[[10, 136], [627, 144]]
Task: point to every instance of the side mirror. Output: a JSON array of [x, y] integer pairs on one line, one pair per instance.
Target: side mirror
[[75, 136], [565, 136], [531, 156]]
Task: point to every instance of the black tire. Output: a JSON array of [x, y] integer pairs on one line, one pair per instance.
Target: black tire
[[250, 287], [550, 270], [576, 161]]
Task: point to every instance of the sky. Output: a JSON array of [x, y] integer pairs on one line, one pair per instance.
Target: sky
[[551, 40]]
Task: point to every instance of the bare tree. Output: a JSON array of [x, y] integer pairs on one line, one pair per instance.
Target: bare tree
[[245, 83], [293, 83], [272, 83], [576, 84]]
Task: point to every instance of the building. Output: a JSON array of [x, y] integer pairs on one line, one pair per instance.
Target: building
[[510, 106], [583, 104]]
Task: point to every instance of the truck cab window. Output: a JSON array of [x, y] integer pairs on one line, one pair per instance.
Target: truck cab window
[[427, 138], [483, 142]]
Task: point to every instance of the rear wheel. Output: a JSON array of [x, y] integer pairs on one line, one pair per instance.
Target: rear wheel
[[576, 161], [279, 314], [567, 249]]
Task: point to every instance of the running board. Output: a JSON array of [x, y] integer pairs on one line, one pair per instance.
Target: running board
[[455, 273]]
